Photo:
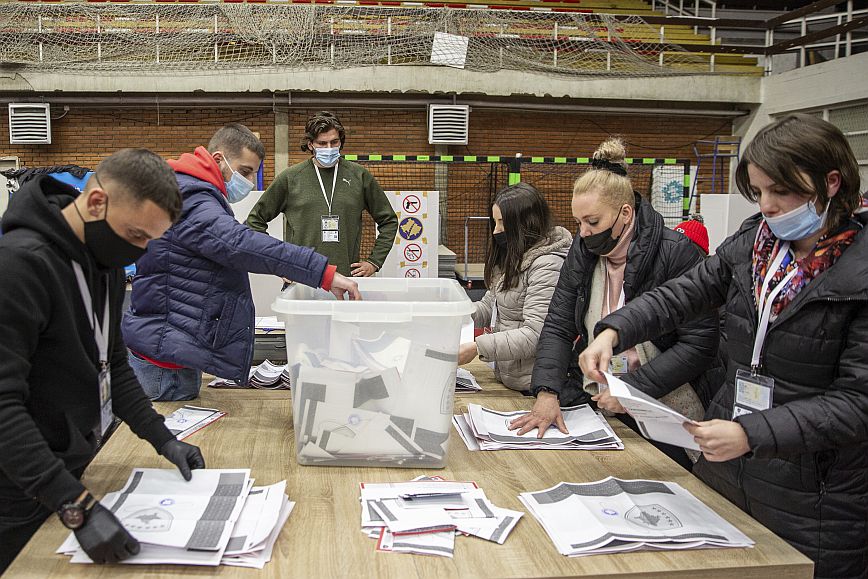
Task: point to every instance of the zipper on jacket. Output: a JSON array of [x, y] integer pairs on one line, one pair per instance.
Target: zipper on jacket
[[739, 482]]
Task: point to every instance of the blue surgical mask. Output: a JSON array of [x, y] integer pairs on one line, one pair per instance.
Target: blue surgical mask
[[327, 156], [237, 187], [799, 223]]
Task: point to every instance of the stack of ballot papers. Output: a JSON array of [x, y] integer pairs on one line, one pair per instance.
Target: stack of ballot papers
[[189, 419], [266, 376], [614, 515], [484, 429], [218, 517], [268, 324], [424, 516], [466, 382]]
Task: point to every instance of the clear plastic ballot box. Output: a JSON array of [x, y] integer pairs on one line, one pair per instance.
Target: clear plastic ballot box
[[373, 381]]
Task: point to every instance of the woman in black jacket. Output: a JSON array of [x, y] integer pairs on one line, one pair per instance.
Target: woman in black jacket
[[786, 437], [623, 250]]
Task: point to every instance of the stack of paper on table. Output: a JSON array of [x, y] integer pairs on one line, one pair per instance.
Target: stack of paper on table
[[424, 516], [614, 515], [385, 399], [218, 517], [466, 382], [189, 419], [655, 420], [484, 429], [268, 324], [266, 376]]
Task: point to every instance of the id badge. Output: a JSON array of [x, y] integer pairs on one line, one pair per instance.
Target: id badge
[[106, 417], [753, 393], [619, 365], [330, 228]]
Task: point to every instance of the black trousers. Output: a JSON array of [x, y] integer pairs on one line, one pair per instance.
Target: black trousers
[[20, 518]]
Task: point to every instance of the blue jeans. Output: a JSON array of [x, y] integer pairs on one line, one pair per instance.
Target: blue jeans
[[164, 384]]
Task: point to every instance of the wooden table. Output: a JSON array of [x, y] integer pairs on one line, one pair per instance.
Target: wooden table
[[323, 538]]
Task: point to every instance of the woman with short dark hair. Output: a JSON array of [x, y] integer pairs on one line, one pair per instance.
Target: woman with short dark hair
[[786, 436]]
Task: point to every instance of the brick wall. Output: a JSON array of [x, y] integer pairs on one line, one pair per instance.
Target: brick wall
[[84, 136]]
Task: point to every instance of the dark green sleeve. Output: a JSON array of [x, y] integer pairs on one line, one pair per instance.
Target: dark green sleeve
[[381, 210], [270, 205]]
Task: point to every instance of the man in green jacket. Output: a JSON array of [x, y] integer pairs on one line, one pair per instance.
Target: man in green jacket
[[322, 200]]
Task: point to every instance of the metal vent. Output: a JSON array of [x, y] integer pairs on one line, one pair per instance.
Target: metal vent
[[448, 124], [29, 124]]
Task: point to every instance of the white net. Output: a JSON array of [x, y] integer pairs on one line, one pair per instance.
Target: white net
[[199, 37]]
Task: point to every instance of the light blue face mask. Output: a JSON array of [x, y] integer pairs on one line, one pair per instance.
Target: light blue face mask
[[237, 188], [799, 223], [327, 156]]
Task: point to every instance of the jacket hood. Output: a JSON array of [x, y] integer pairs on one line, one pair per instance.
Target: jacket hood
[[201, 165], [558, 242], [36, 206]]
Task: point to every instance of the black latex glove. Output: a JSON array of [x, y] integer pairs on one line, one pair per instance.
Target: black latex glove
[[185, 456], [103, 537]]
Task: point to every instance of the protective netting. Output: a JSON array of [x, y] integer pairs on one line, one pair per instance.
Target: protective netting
[[203, 37]]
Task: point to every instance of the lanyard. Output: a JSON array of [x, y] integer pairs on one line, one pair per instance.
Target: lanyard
[[621, 298], [100, 334], [322, 187], [764, 305]]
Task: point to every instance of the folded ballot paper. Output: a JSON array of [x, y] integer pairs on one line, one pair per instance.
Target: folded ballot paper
[[655, 420], [218, 517], [424, 516], [188, 419], [465, 381], [382, 400], [266, 376], [614, 515], [484, 429]]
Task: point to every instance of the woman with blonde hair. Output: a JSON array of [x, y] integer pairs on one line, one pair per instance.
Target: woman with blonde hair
[[623, 250], [786, 436]]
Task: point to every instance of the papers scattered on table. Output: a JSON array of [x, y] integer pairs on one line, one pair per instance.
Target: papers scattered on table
[[626, 515], [484, 429], [655, 420], [423, 516], [219, 517], [266, 376], [466, 382], [189, 419]]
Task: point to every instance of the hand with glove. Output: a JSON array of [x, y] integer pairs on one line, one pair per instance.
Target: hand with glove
[[103, 537], [185, 456]]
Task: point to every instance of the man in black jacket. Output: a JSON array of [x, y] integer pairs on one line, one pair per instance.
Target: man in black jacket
[[63, 364]]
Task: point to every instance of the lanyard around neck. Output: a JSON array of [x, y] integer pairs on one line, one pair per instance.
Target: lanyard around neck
[[765, 302], [328, 200], [100, 333]]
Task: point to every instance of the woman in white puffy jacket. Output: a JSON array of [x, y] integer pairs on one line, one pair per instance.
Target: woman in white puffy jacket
[[525, 256]]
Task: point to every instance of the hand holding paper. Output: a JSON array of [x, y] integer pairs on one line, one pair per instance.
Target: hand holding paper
[[719, 440], [594, 360]]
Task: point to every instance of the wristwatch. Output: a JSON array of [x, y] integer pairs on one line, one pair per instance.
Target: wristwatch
[[74, 515]]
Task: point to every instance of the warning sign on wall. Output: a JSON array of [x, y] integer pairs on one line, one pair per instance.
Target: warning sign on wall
[[415, 251]]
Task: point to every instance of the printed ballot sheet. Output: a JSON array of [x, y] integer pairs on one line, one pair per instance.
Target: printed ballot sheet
[[484, 429], [187, 420], [254, 521], [655, 420], [617, 515], [424, 515]]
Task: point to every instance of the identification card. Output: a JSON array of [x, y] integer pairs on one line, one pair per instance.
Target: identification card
[[330, 228], [753, 393], [105, 400], [619, 365]]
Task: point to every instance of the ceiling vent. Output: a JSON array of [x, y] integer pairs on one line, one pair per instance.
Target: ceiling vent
[[448, 124], [29, 124]]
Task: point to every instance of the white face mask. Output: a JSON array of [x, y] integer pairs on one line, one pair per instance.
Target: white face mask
[[327, 156], [799, 223]]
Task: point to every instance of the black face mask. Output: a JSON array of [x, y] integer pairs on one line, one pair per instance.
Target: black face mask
[[110, 250], [603, 243], [500, 239]]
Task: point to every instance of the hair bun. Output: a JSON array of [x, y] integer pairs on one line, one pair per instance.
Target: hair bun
[[612, 150]]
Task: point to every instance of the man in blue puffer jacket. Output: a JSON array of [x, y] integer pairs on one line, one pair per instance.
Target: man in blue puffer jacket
[[191, 308]]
